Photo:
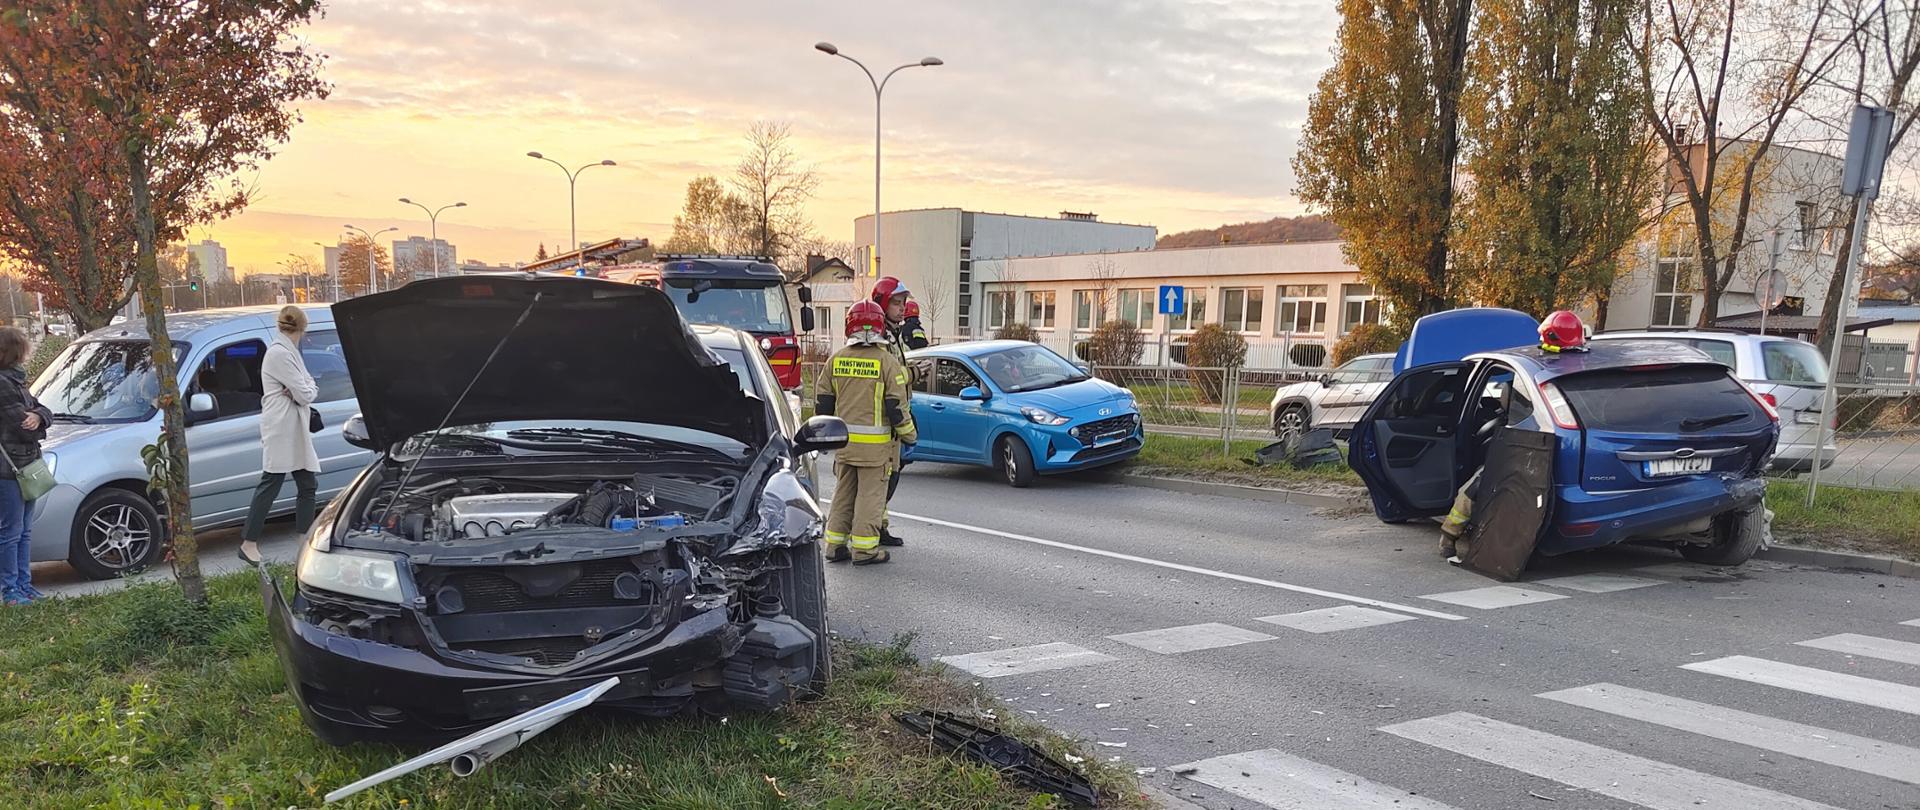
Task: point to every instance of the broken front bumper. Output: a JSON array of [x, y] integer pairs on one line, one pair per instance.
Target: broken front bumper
[[355, 690]]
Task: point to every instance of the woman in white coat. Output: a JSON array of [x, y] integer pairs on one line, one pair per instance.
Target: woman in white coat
[[286, 442]]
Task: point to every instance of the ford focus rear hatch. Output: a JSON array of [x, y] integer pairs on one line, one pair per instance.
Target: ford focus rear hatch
[[1653, 425]]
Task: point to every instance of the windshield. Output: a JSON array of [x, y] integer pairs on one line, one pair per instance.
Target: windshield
[[750, 309], [737, 360], [569, 436], [101, 381], [1029, 368], [1790, 361]]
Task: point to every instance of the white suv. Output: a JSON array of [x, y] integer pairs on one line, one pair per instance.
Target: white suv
[[1335, 400], [1789, 373]]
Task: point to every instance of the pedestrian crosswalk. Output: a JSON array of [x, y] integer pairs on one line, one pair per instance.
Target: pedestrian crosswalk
[[1275, 778]]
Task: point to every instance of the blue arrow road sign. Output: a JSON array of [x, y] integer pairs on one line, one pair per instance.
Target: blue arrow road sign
[[1173, 299]]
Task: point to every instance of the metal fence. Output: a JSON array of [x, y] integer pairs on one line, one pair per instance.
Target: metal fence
[[1877, 429]]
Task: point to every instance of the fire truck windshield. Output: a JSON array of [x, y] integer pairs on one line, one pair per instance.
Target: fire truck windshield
[[759, 309]]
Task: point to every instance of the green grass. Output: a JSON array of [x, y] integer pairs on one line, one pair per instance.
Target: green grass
[[1870, 520], [136, 700], [1189, 457], [1182, 393]]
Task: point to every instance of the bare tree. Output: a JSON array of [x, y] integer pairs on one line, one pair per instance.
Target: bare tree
[[1106, 277], [1718, 109], [934, 297], [775, 189]]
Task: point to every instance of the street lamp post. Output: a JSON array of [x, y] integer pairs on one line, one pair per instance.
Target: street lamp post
[[573, 209], [373, 269], [879, 86], [433, 228]]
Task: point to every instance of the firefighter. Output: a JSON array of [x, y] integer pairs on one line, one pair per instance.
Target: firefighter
[[892, 297], [912, 332], [868, 389]]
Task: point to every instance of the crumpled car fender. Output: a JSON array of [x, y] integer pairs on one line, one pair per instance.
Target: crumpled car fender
[[786, 516]]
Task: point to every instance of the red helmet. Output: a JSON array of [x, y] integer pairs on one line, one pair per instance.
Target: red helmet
[[865, 316], [913, 308], [1562, 331], [887, 288]]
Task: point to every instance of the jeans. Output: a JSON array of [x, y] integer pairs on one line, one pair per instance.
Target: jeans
[[16, 543], [304, 484]]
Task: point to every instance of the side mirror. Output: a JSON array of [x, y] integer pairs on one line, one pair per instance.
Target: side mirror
[[806, 316], [805, 294], [972, 393], [820, 433], [355, 432], [200, 405], [1327, 379]]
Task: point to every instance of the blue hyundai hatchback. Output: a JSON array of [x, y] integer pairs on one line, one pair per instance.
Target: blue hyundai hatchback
[[1629, 441], [1019, 408]]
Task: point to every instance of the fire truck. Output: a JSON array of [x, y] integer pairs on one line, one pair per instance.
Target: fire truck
[[748, 293]]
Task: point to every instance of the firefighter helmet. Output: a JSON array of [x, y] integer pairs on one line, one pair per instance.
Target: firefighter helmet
[[865, 316], [886, 289], [913, 308], [1562, 331]]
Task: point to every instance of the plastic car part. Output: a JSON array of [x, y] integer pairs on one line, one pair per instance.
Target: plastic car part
[[1013, 758]]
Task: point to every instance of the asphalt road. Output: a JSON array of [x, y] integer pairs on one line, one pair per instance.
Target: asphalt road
[[1264, 655]]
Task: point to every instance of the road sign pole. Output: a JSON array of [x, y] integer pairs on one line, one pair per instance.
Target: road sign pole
[[1867, 142]]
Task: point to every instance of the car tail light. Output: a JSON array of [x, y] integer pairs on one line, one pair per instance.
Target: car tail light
[[1558, 407], [1766, 401]]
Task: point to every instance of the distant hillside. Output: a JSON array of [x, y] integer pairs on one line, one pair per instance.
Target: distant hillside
[[1278, 229]]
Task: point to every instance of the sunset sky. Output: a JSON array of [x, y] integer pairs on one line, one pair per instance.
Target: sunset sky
[[1175, 114]]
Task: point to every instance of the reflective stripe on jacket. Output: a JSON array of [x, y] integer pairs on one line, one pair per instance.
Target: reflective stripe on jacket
[[863, 379]]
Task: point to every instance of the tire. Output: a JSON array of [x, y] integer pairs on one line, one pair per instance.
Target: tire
[[803, 589], [1014, 461], [115, 533], [1736, 536], [1291, 419]]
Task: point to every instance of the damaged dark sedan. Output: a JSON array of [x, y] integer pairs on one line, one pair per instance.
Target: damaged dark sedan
[[572, 486]]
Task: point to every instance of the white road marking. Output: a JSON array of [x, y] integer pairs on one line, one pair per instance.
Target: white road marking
[[1836, 685], [1766, 733], [1598, 583], [1649, 783], [1497, 596], [1328, 620], [1283, 781], [1914, 623], [1190, 638], [1886, 649], [1191, 569], [1021, 660]]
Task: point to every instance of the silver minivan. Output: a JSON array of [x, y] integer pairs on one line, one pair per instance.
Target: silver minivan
[[101, 390], [1791, 374]]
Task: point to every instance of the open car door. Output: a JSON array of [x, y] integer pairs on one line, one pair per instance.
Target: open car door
[[1407, 445]]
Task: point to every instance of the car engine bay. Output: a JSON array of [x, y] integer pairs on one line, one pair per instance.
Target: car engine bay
[[475, 507]]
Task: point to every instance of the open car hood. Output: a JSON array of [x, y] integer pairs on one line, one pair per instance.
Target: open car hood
[[1456, 333], [586, 349]]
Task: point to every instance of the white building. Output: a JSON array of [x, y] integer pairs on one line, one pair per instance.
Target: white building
[[1795, 225], [1290, 301], [211, 258], [420, 256], [934, 252]]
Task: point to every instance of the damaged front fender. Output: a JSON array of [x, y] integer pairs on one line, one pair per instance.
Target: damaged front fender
[[786, 516]]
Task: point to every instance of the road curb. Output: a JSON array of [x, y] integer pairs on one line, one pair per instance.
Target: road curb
[[1167, 801], [1848, 560], [1271, 494]]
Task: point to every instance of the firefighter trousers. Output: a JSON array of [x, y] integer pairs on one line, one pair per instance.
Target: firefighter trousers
[[859, 506]]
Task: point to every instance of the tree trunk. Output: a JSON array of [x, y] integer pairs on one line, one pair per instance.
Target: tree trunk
[[186, 557], [1837, 286]]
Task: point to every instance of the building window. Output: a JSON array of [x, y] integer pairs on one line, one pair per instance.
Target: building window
[[1303, 309], [1358, 305], [1040, 309], [1240, 308], [1137, 308], [1808, 219], [1196, 313], [1673, 286], [999, 309], [1086, 309]]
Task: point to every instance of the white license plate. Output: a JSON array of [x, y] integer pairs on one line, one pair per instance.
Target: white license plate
[[1807, 417], [1678, 466]]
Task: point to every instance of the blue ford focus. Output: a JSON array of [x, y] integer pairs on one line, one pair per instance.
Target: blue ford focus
[[1019, 408]]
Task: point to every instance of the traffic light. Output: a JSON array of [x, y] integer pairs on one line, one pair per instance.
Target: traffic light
[[193, 284]]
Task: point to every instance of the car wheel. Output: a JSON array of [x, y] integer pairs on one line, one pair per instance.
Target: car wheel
[[1736, 536], [1291, 420], [115, 533], [1015, 462], [803, 589]]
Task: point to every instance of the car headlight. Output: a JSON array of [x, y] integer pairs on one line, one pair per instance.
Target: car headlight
[[53, 461], [351, 573], [1043, 416]]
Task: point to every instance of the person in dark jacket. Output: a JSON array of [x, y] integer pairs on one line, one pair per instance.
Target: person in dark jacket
[[910, 331], [23, 425]]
